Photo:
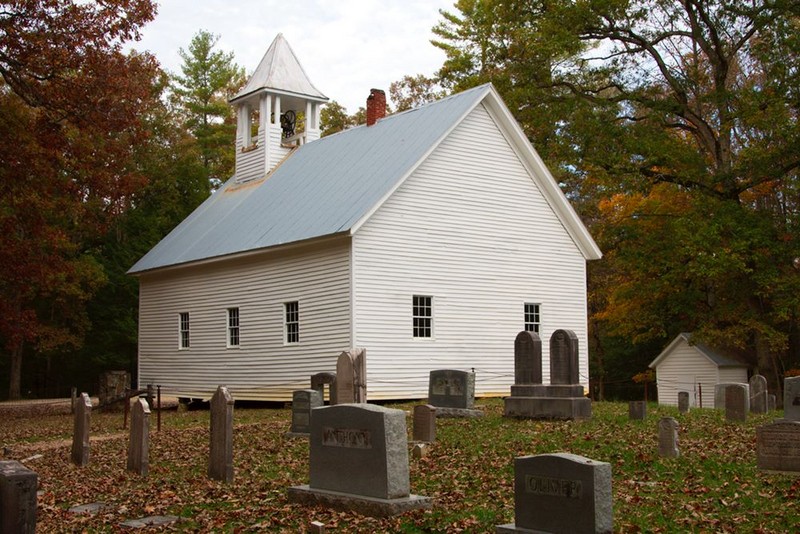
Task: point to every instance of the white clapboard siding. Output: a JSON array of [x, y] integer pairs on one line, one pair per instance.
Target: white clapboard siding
[[262, 367], [686, 369], [471, 229]]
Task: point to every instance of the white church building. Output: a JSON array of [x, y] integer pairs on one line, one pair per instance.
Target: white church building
[[429, 237]]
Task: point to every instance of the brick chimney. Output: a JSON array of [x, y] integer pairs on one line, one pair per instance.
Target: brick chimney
[[376, 106]]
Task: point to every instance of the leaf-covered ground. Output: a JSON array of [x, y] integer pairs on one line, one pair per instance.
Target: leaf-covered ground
[[713, 487]]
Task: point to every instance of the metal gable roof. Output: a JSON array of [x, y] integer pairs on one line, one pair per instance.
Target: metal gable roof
[[715, 358], [325, 187]]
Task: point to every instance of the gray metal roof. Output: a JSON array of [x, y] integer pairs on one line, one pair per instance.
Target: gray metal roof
[[714, 356], [325, 187]]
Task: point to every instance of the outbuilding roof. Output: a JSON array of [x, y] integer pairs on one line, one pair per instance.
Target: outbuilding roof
[[332, 185], [715, 357]]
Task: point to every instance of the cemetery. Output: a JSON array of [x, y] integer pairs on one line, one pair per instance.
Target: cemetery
[[664, 470]]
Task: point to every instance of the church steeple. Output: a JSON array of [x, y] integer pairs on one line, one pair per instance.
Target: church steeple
[[269, 109]]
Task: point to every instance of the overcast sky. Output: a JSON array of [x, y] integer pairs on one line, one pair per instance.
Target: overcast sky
[[346, 47]]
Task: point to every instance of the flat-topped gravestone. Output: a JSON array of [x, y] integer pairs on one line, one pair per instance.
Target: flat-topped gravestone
[[683, 401], [318, 383], [668, 438], [220, 461], [719, 394], [778, 446], [453, 393], [561, 493], [18, 486], [791, 398], [359, 461], [139, 443], [424, 423], [637, 410], [758, 394], [527, 358], [303, 401], [737, 402], [80, 432]]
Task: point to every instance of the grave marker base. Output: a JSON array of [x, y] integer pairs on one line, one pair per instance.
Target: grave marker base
[[457, 412], [369, 506], [564, 408]]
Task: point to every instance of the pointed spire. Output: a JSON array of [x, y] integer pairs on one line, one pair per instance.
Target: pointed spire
[[280, 70]]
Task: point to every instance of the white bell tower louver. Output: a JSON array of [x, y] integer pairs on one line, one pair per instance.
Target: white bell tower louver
[[277, 110]]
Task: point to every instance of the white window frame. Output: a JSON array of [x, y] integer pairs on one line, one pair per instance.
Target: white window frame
[[532, 318], [233, 328], [291, 322], [422, 313], [184, 339]]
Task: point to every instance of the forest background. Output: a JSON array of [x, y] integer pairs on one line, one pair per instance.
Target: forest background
[[671, 125]]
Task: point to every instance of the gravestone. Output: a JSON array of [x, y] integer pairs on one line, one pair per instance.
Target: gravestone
[[80, 430], [637, 410], [758, 394], [18, 486], [683, 401], [561, 493], [737, 402], [303, 401], [453, 393], [719, 394], [424, 423], [668, 438], [772, 402], [318, 383], [139, 443], [778, 446], [791, 398], [564, 397], [351, 376], [113, 385], [527, 358], [220, 458], [359, 461]]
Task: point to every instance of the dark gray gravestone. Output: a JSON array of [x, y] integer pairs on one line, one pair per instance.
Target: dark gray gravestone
[[564, 358], [791, 398], [778, 446], [719, 394], [637, 410], [737, 402], [683, 401], [139, 444], [527, 358], [449, 388], [303, 401], [668, 438], [18, 486], [220, 460], [424, 423], [772, 402], [561, 493], [318, 383], [758, 394], [80, 430], [359, 461]]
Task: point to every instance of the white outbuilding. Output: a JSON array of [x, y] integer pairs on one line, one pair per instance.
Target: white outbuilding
[[430, 237], [695, 368]]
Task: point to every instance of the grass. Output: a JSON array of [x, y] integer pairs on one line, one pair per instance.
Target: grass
[[713, 487]]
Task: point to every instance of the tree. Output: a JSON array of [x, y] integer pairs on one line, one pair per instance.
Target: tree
[[70, 102], [334, 118], [414, 91], [210, 78], [673, 125]]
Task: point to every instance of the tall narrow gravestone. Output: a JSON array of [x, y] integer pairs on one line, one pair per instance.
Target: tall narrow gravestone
[[351, 376], [791, 398], [424, 423], [668, 438], [80, 432], [758, 394], [563, 398], [453, 393], [561, 493], [683, 401], [737, 402], [139, 444], [359, 461], [220, 458], [18, 486]]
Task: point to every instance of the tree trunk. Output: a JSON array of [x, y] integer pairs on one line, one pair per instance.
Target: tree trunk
[[15, 374]]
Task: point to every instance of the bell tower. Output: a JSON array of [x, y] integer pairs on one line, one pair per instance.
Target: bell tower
[[277, 111]]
